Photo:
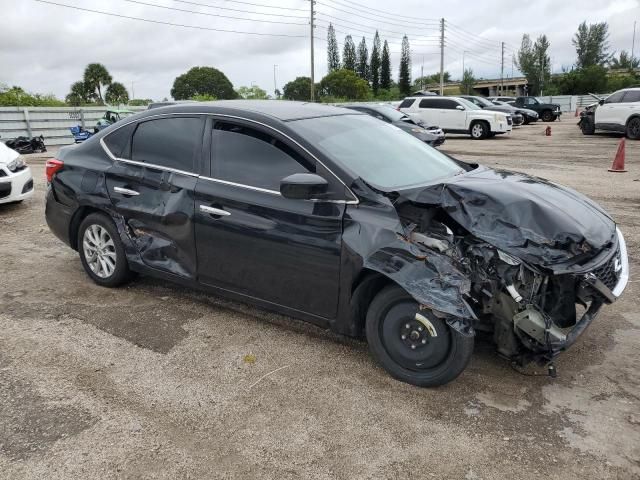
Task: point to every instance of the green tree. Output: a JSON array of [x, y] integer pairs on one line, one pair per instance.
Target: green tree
[[434, 78], [96, 78], [374, 64], [18, 97], [80, 94], [202, 81], [362, 60], [534, 62], [333, 55], [140, 102], [624, 61], [592, 44], [344, 84], [385, 67], [203, 97], [298, 89], [349, 54], [468, 81], [253, 92], [404, 77], [116, 94]]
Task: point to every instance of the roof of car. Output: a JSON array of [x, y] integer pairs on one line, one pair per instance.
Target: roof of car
[[283, 110]]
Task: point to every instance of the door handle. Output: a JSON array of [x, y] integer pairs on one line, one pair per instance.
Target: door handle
[[214, 211], [126, 191]]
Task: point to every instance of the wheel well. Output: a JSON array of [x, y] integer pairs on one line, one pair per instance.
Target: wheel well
[[635, 115], [80, 214], [473, 122], [366, 286]]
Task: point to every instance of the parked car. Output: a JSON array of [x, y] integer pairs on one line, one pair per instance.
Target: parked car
[[619, 112], [502, 99], [457, 115], [517, 117], [530, 116], [548, 112], [337, 218], [16, 182], [433, 135], [112, 116]]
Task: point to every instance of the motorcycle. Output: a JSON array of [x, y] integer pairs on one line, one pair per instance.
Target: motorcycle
[[79, 133]]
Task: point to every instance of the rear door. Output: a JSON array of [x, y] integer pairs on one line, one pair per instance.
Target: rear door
[[253, 241], [151, 186]]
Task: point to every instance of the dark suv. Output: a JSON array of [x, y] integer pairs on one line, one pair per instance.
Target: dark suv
[[337, 218]]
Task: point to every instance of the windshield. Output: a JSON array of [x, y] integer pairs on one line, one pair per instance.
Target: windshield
[[382, 155], [483, 101], [391, 113], [468, 105]]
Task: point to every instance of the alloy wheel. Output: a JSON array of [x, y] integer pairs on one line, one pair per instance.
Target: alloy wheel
[[99, 251]]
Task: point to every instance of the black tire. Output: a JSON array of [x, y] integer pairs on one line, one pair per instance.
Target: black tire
[[112, 254], [436, 361], [479, 130], [633, 128], [526, 121], [587, 125], [547, 116]]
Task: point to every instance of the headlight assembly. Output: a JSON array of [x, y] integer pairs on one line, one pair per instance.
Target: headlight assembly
[[16, 164]]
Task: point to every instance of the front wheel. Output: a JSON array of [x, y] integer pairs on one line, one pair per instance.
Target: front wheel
[[633, 128], [548, 116], [587, 125], [101, 251], [479, 131], [414, 345]]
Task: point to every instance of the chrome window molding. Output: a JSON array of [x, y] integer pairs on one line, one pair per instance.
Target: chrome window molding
[[353, 201]]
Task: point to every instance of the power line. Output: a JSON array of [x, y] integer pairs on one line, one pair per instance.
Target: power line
[[383, 32], [473, 36], [365, 25], [394, 14], [341, 44], [265, 6], [159, 22], [208, 5], [376, 18], [261, 20]]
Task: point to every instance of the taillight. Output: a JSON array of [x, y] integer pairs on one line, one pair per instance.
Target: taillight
[[52, 166]]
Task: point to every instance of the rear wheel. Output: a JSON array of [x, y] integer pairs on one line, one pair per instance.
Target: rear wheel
[[548, 116], [479, 130], [101, 251], [414, 345], [633, 128]]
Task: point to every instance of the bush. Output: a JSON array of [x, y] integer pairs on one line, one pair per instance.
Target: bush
[[17, 97], [344, 84]]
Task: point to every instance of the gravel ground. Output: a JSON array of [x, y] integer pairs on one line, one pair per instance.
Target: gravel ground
[[155, 381]]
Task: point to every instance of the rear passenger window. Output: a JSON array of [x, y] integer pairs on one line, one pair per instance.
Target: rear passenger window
[[250, 157], [427, 103], [442, 103], [631, 96], [168, 142], [118, 141], [407, 103]]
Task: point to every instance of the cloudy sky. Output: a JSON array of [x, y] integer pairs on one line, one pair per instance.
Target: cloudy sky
[[44, 47]]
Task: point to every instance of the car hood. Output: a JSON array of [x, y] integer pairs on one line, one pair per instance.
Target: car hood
[[540, 222], [504, 109], [410, 127], [7, 154], [487, 113]]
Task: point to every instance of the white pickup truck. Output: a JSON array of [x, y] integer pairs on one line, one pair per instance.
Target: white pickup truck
[[619, 112], [457, 115]]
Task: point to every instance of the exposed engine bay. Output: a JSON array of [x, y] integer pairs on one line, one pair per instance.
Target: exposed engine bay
[[525, 260]]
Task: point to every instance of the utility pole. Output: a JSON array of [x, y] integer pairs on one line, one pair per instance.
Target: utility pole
[[633, 43], [502, 71], [442, 56], [133, 93], [275, 84], [422, 74], [311, 20]]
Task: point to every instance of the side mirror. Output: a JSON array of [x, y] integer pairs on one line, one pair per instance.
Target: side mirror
[[459, 107], [601, 102], [303, 186]]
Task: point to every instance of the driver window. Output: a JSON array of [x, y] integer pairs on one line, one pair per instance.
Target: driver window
[[615, 98]]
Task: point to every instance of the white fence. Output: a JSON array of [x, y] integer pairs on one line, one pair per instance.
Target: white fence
[[52, 123], [569, 103]]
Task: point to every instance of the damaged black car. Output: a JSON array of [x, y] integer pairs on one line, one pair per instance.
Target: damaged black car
[[333, 217]]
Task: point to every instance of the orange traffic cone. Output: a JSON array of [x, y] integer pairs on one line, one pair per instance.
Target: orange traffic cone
[[547, 131], [618, 161]]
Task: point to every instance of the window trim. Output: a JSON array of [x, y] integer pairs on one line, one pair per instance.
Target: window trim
[[354, 201]]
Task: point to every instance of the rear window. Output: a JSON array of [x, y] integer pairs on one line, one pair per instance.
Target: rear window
[[407, 103], [168, 142], [118, 141]]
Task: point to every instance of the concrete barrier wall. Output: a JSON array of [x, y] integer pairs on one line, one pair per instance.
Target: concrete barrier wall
[[52, 123]]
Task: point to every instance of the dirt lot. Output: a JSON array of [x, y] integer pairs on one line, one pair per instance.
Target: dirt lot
[[154, 381]]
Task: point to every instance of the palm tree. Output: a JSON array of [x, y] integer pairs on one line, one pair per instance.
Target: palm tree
[[95, 77], [116, 94]]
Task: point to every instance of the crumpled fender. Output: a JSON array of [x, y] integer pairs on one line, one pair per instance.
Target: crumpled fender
[[374, 233]]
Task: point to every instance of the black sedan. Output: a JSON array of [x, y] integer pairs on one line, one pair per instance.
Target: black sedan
[[432, 135], [480, 102], [339, 219]]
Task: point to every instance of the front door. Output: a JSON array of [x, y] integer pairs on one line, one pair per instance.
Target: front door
[[250, 239], [151, 187]]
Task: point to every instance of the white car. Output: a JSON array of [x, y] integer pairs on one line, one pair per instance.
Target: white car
[[619, 112], [457, 115], [16, 182]]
